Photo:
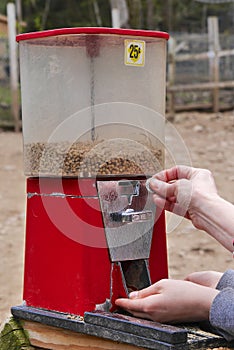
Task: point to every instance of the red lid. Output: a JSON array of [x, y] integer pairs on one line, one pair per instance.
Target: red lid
[[92, 30]]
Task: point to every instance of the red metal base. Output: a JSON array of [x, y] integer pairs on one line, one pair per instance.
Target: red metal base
[[67, 264]]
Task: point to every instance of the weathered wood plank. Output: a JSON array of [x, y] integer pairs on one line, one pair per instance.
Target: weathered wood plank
[[201, 86], [47, 337], [30, 335], [202, 55]]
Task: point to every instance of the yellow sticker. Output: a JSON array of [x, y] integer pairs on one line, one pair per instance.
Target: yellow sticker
[[134, 53]]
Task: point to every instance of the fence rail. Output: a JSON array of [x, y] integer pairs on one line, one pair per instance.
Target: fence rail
[[200, 74], [212, 57]]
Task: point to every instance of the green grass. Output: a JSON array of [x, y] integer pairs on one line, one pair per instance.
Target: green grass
[[5, 94], [6, 117]]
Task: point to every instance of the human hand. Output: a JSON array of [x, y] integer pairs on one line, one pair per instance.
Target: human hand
[[205, 278], [171, 301], [181, 189]]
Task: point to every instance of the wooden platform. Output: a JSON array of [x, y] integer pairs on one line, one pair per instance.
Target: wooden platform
[[55, 331]]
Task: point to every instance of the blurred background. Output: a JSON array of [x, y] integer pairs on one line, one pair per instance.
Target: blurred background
[[200, 72]]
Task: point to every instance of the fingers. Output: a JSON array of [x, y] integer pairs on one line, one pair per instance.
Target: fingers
[[163, 203], [169, 205], [175, 173], [174, 197], [205, 278], [143, 293], [140, 307], [166, 183], [129, 304], [163, 189]]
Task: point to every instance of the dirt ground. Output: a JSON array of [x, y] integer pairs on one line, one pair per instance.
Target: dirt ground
[[199, 139]]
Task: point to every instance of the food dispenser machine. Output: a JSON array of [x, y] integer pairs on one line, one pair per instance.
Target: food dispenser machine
[[93, 102]]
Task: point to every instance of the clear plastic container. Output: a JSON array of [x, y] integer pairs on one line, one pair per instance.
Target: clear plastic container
[[93, 101]]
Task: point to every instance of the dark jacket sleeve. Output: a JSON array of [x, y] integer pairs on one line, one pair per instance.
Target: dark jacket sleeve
[[222, 308]]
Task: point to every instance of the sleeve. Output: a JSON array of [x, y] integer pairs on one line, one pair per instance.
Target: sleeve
[[227, 280], [222, 313]]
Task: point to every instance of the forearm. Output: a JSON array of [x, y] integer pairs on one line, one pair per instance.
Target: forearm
[[214, 215]]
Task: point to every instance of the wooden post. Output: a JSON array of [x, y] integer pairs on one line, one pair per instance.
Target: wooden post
[[115, 14], [13, 64], [19, 15], [171, 77], [97, 13], [150, 14], [214, 48]]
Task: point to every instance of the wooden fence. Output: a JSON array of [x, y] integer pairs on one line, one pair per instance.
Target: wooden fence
[[213, 56], [179, 54]]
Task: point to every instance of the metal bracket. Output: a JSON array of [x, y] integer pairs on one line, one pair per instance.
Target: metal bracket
[[128, 228], [130, 215]]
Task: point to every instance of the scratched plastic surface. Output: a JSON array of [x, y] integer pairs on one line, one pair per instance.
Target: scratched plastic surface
[[87, 111]]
